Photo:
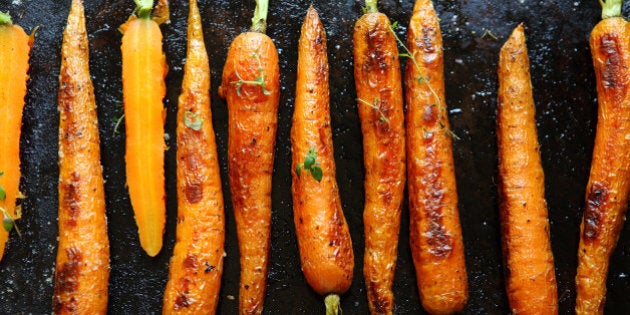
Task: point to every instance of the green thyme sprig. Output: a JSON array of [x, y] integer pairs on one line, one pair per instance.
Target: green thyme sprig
[[259, 80], [311, 165], [192, 120], [8, 222], [375, 106]]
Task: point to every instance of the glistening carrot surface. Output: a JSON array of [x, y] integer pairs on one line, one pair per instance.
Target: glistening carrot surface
[[82, 268], [607, 189], [379, 92], [323, 236], [530, 273], [251, 89], [435, 230], [197, 263], [15, 46], [143, 73]]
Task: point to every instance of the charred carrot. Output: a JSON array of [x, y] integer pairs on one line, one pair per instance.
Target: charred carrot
[[143, 73], [435, 232], [197, 262], [15, 47], [607, 189], [251, 89], [82, 269], [530, 277], [323, 236], [379, 92]]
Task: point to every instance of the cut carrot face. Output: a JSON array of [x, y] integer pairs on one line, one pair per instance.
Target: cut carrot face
[[143, 73], [15, 47]]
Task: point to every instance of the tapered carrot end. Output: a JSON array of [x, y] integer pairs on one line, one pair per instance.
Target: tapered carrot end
[[152, 246]]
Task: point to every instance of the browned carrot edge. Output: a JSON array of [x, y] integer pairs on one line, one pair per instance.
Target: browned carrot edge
[[607, 188], [379, 97], [197, 263], [82, 268], [530, 273], [323, 237], [435, 230], [250, 86]]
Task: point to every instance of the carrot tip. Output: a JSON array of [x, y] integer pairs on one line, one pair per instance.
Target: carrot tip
[[333, 304]]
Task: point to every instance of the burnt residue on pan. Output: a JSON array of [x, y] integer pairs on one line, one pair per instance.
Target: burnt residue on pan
[[564, 91]]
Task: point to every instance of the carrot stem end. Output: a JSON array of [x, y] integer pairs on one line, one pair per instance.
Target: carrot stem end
[[333, 304], [144, 8], [259, 21], [611, 8], [370, 6], [5, 18]]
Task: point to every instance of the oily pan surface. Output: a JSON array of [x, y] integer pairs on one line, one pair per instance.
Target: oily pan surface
[[564, 91]]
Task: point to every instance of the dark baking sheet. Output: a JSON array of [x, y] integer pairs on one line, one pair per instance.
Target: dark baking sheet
[[562, 74]]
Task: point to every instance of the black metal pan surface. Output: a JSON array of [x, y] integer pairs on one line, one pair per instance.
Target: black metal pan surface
[[564, 90]]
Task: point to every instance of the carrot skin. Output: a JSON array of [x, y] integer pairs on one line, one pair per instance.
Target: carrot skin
[[530, 274], [378, 85], [252, 125], [197, 262], [435, 231], [82, 267], [607, 189], [15, 47], [323, 236], [144, 70]]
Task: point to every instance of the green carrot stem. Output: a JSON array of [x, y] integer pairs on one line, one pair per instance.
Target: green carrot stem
[[259, 21], [611, 8], [143, 9], [5, 19], [333, 304], [370, 6]]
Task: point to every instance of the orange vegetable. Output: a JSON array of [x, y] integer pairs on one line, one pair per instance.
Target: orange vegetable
[[379, 92], [15, 46], [82, 268], [197, 264], [608, 186], [143, 73], [435, 231], [321, 228], [530, 276], [251, 89]]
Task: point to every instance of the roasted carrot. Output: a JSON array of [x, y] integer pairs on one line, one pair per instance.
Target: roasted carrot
[[15, 47], [435, 232], [251, 89], [608, 187], [143, 71], [323, 236], [530, 274], [379, 92], [197, 262], [82, 269]]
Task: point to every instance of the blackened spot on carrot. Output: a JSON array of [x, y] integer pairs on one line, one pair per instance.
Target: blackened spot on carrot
[[380, 303], [319, 40], [71, 198], [612, 67], [67, 281], [190, 262], [440, 242], [194, 192], [247, 287], [181, 301], [593, 213], [209, 267]]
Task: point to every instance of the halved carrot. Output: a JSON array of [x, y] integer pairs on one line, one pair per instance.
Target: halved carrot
[[82, 269], [251, 89], [530, 273], [15, 46], [197, 264], [323, 236], [435, 230], [608, 186], [379, 92], [143, 73]]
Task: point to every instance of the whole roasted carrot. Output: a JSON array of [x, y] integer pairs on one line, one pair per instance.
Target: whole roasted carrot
[[197, 263], [321, 228], [251, 89], [379, 92], [15, 47], [607, 189], [435, 231], [143, 73], [530, 276], [82, 269]]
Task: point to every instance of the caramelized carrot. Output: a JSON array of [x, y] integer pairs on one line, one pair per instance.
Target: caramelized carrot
[[197, 263], [608, 187], [251, 89], [82, 269], [435, 231], [323, 236], [530, 276], [143, 73], [379, 92], [15, 47]]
